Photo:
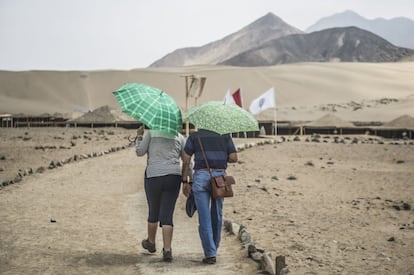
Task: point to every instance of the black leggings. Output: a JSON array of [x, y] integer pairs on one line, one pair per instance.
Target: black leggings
[[162, 193]]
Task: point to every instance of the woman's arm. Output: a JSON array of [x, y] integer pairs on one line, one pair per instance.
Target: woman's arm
[[142, 144]]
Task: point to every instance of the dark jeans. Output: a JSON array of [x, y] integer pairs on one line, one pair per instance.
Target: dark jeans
[[162, 193]]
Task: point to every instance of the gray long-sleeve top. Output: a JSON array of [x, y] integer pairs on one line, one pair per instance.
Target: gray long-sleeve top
[[163, 154]]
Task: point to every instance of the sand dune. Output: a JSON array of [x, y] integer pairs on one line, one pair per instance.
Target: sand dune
[[303, 91]]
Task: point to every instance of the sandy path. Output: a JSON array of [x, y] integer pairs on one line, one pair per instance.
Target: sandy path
[[100, 212]]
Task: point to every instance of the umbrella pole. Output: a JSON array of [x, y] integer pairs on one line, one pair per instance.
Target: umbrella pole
[[187, 124]]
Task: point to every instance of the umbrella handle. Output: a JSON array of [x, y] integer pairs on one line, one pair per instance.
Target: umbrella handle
[[140, 132], [132, 140], [137, 137]]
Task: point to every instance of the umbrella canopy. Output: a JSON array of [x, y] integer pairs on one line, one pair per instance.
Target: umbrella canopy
[[151, 106], [190, 206], [221, 118]]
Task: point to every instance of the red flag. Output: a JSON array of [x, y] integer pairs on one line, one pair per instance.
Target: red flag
[[237, 98]]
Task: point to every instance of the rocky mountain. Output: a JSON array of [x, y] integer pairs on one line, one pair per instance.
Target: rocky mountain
[[349, 44], [264, 29], [399, 31]]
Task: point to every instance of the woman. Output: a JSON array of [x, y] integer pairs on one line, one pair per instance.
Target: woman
[[219, 150], [162, 185]]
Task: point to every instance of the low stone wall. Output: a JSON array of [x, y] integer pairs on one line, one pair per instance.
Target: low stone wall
[[21, 173]]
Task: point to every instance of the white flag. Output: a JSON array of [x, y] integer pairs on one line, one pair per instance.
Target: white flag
[[263, 102], [228, 99]]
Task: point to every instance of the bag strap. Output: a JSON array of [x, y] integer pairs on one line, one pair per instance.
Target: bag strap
[[204, 155]]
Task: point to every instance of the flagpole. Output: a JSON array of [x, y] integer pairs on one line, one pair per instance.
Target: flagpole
[[241, 98], [242, 103], [275, 120], [187, 125], [274, 115]]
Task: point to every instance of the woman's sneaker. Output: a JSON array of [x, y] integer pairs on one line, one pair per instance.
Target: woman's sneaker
[[148, 246], [166, 255], [209, 260]]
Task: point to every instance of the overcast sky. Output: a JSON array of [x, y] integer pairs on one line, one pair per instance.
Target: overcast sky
[[127, 34]]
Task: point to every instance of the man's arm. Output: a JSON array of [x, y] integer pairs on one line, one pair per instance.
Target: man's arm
[[186, 177], [232, 157]]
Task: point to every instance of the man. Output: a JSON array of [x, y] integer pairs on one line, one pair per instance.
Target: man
[[219, 150]]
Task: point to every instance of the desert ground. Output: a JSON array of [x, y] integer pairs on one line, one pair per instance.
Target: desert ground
[[329, 204]]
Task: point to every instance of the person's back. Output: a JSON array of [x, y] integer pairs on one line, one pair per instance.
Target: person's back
[[219, 149], [163, 155]]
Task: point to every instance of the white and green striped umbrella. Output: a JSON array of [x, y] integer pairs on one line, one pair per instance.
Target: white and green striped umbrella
[[151, 106], [221, 118]]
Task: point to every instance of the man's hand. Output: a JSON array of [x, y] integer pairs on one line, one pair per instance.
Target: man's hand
[[186, 189]]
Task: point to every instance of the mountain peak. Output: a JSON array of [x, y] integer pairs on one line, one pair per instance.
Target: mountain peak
[[347, 16], [270, 19], [342, 19], [266, 28], [347, 44], [349, 13], [396, 30]]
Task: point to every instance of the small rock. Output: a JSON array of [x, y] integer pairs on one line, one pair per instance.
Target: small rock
[[264, 189], [5, 183], [52, 165], [18, 178], [406, 206], [40, 170], [309, 163]]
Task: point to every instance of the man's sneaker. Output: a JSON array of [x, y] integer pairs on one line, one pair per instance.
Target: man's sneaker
[[166, 255], [148, 246], [209, 260]]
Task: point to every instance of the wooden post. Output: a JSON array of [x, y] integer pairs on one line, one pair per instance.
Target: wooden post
[[280, 264], [187, 97]]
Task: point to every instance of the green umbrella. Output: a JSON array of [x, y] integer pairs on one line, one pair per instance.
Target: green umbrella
[[221, 118], [151, 106]]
